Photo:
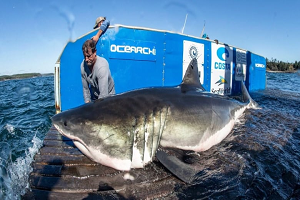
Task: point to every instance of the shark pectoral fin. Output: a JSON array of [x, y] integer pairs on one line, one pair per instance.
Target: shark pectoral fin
[[182, 170]]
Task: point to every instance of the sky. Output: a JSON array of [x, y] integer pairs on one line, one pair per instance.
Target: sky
[[34, 32]]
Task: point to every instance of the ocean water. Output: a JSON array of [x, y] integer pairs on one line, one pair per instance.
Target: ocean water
[[25, 109], [259, 159]]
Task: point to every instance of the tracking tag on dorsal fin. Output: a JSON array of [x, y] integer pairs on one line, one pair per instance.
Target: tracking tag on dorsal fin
[[191, 78]]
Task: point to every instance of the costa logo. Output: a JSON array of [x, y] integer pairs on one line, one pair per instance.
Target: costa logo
[[222, 53]]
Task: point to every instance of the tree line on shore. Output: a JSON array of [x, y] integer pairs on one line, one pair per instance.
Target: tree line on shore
[[276, 65], [21, 76]]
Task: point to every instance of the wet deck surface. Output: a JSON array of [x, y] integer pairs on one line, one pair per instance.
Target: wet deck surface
[[61, 171]]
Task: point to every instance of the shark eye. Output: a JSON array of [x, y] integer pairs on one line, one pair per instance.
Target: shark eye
[[65, 123]]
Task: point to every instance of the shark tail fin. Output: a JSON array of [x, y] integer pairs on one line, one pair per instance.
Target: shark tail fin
[[247, 98], [191, 78]]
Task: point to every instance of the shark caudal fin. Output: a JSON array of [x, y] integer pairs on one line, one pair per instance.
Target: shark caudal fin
[[247, 98], [191, 78]]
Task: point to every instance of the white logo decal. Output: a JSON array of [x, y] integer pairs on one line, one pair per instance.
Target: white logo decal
[[260, 65], [132, 49]]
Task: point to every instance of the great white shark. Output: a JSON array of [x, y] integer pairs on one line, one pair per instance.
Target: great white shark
[[124, 131]]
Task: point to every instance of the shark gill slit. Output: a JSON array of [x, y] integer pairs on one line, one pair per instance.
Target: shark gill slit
[[143, 140], [163, 120], [156, 129], [156, 122], [147, 134], [132, 137], [138, 140]]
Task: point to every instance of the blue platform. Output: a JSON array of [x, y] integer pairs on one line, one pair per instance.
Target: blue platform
[[141, 57]]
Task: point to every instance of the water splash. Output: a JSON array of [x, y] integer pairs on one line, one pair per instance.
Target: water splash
[[14, 175], [10, 128], [25, 112], [62, 14], [68, 16], [5, 160]]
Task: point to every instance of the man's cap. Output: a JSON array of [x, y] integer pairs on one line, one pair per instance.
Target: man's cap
[[98, 20]]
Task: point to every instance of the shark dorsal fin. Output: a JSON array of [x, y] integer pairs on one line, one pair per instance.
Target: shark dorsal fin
[[191, 78]]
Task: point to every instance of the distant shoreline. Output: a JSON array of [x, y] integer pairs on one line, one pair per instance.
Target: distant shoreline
[[23, 76], [32, 75], [294, 71]]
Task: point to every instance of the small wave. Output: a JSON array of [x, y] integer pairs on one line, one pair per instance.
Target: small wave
[[10, 128], [14, 175]]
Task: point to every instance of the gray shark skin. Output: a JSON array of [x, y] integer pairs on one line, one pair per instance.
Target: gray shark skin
[[125, 131]]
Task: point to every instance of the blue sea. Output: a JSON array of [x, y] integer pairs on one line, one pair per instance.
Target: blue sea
[[26, 107], [260, 159]]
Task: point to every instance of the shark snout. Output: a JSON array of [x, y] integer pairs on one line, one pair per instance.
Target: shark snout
[[59, 121]]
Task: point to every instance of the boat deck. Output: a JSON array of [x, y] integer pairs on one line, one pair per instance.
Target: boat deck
[[61, 171]]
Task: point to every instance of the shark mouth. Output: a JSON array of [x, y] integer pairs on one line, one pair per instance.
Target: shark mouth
[[77, 142]]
